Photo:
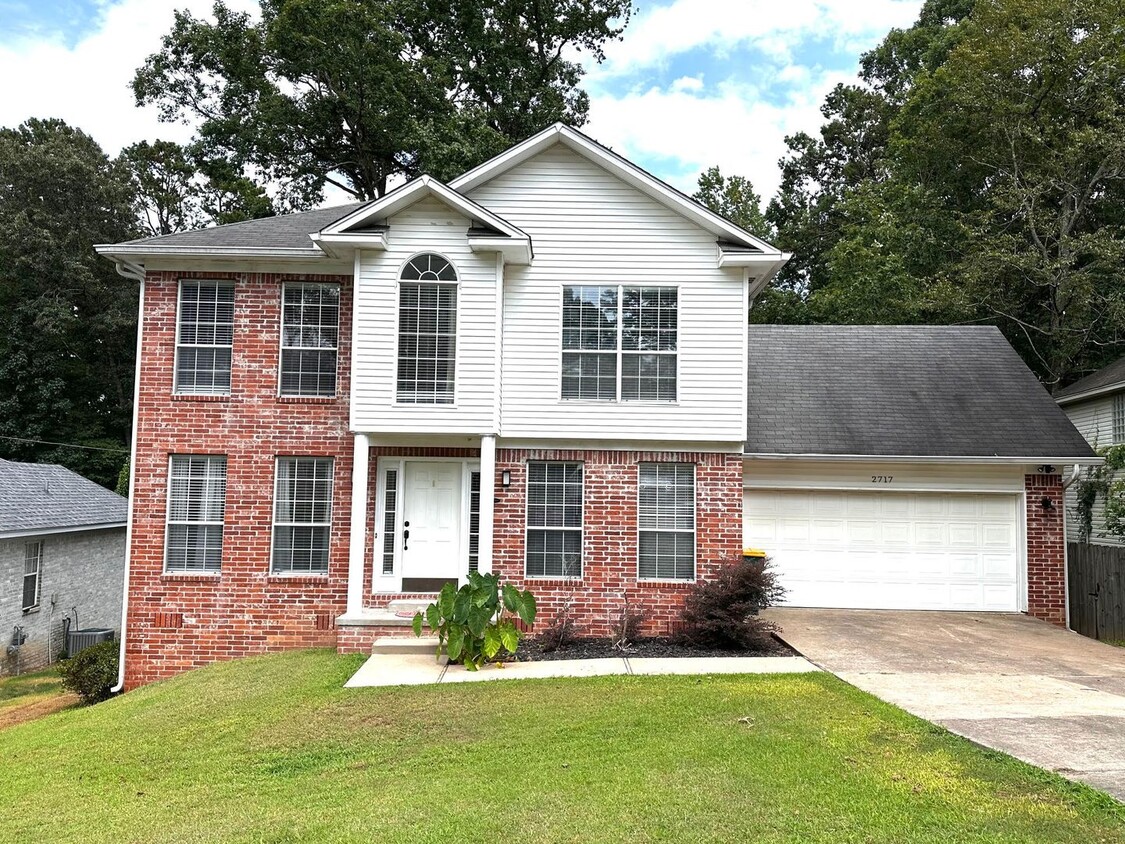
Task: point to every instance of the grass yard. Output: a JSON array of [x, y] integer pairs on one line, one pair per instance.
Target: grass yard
[[272, 749], [31, 696]]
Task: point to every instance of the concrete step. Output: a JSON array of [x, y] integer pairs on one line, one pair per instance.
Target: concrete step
[[407, 605], [404, 645]]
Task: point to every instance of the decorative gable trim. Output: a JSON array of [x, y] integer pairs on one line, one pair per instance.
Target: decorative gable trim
[[365, 227]]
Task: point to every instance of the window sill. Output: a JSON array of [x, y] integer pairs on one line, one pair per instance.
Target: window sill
[[547, 580], [192, 577], [31, 610], [202, 397], [297, 578], [616, 403], [657, 583], [307, 399]]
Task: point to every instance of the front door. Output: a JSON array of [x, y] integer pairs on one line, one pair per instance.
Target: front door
[[431, 526]]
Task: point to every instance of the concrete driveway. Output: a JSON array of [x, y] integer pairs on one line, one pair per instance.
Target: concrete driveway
[[1013, 683]]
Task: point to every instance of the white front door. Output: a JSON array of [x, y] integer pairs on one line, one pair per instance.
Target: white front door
[[889, 550], [431, 521]]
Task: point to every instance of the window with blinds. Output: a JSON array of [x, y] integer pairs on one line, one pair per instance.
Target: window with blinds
[[1119, 419], [32, 575], [427, 331], [390, 519], [204, 338], [474, 521], [620, 343], [310, 332], [554, 520], [197, 494], [666, 521], [302, 516]]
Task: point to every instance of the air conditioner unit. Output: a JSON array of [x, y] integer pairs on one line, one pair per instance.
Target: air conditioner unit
[[79, 640]]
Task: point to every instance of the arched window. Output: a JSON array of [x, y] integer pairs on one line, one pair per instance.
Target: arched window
[[427, 331]]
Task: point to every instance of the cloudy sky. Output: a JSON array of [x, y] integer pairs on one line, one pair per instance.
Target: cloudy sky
[[693, 83]]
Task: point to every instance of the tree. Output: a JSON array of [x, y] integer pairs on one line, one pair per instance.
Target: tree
[[356, 93], [734, 198], [178, 190], [67, 321]]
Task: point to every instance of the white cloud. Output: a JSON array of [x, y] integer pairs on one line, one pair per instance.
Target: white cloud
[[687, 83], [733, 128], [87, 84], [772, 27]]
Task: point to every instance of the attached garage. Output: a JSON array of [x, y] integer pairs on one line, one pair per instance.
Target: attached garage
[[890, 550], [906, 467]]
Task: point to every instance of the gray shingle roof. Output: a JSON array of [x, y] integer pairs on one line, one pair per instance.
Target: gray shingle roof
[[1108, 376], [41, 497], [918, 391], [285, 231]]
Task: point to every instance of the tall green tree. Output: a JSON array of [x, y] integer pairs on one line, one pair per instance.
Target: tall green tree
[[734, 198], [355, 93], [67, 321]]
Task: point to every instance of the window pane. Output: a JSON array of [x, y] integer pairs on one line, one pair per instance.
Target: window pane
[[427, 333], [206, 334], [648, 377], [302, 514], [197, 489], [310, 333], [589, 376], [32, 567], [554, 520], [390, 521], [590, 318], [649, 318], [474, 521], [666, 519]]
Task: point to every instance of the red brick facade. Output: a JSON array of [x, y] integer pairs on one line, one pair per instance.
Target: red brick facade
[[176, 622], [1046, 549], [609, 535]]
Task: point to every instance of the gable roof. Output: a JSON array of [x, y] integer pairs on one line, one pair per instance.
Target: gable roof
[[900, 391], [40, 498], [627, 171], [1108, 379]]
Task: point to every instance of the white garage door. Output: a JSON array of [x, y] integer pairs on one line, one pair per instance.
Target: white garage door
[[881, 550]]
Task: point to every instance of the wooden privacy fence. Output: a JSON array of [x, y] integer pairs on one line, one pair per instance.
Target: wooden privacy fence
[[1097, 590]]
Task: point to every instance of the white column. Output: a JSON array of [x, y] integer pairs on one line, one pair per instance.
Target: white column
[[487, 501], [357, 535]]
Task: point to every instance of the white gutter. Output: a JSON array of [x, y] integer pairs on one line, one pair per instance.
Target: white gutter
[[122, 252], [16, 534], [1091, 394], [132, 495], [904, 458]]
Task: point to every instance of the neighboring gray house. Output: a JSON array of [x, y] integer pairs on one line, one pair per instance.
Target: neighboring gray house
[[1096, 406], [62, 551]]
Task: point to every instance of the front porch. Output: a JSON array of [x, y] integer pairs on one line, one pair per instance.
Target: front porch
[[422, 517]]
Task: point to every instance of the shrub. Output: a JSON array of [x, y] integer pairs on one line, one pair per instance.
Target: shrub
[[560, 632], [627, 625], [475, 622], [91, 672], [722, 612]]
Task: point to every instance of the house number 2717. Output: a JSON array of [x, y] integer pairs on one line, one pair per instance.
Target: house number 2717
[[882, 479]]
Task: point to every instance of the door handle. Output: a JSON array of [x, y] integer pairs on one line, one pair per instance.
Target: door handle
[[405, 534]]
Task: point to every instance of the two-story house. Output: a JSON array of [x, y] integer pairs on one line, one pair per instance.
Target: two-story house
[[544, 369]]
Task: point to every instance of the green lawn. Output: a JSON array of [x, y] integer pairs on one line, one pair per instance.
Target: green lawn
[[31, 695], [273, 749]]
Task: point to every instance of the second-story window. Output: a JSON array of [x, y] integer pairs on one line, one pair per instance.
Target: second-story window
[[310, 332], [427, 331], [619, 343], [204, 338]]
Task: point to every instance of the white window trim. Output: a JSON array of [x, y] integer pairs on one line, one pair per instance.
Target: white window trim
[[1117, 420], [176, 356], [527, 528], [456, 334], [281, 347], [620, 352], [694, 531], [38, 575], [168, 522], [275, 524]]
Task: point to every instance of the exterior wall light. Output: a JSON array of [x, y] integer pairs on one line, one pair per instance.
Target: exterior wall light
[[506, 478]]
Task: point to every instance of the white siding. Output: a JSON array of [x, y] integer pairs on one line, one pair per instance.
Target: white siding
[[588, 227], [427, 226], [1094, 420], [879, 476]]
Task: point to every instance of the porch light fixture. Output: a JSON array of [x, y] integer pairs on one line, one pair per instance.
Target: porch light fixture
[[1047, 469], [1047, 504], [506, 478]]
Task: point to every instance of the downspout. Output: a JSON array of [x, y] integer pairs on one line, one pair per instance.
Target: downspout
[[1066, 548], [132, 489]]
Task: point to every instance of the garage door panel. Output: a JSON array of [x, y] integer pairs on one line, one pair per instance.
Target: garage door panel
[[890, 550]]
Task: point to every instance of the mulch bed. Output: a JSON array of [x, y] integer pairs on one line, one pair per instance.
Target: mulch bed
[[531, 650]]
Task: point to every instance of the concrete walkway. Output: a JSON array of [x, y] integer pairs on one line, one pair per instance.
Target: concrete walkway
[[1009, 682], [414, 669]]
